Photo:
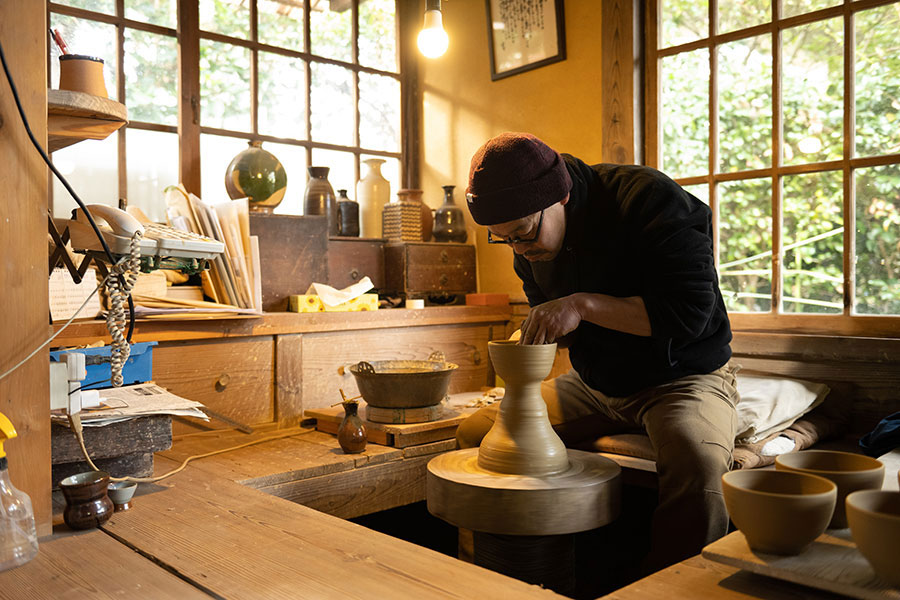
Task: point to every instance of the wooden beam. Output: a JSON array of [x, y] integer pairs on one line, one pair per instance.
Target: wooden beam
[[617, 64]]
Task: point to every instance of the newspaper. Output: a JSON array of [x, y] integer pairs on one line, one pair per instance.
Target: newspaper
[[132, 401]]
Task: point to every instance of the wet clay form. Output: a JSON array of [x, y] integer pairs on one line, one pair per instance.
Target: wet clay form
[[874, 517], [779, 512], [850, 472], [522, 487]]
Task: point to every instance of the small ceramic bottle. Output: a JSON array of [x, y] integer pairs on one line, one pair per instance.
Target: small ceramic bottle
[[348, 213], [351, 432], [320, 198], [449, 221]]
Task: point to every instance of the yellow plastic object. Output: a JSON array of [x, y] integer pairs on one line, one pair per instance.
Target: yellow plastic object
[[7, 432], [312, 303]]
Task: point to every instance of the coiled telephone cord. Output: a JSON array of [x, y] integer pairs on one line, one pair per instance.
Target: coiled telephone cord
[[123, 276]]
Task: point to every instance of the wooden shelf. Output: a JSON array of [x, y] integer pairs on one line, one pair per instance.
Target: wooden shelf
[[76, 116]]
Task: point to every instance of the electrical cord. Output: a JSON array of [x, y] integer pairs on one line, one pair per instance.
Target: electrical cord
[[34, 142], [75, 423]]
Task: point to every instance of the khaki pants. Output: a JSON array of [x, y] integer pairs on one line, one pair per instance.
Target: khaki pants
[[691, 423]]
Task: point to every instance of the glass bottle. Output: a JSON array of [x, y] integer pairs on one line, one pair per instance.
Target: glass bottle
[[348, 213], [449, 221], [320, 198], [351, 432]]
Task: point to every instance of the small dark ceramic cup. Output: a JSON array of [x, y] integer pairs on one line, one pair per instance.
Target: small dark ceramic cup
[[87, 505]]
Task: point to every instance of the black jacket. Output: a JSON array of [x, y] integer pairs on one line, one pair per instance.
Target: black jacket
[[632, 231]]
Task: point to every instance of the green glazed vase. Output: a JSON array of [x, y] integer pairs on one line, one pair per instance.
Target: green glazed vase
[[257, 175]]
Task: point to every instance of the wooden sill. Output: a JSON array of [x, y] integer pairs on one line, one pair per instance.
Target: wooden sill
[[76, 116]]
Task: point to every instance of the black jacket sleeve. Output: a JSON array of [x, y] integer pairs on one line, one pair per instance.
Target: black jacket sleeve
[[523, 269]]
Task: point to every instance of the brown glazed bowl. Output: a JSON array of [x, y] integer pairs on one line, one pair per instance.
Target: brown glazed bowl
[[850, 472], [874, 517], [87, 504], [779, 512]]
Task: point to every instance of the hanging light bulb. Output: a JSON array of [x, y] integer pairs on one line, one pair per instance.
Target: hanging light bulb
[[433, 39]]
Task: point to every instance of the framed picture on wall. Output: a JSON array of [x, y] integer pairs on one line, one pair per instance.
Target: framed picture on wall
[[524, 35]]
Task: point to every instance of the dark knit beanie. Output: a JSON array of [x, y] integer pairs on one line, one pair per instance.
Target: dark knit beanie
[[514, 175]]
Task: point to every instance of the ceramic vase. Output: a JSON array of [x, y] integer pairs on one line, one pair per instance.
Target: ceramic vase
[[348, 215], [87, 504], [319, 199], [257, 175], [373, 191], [351, 432], [449, 221], [426, 216], [522, 441]]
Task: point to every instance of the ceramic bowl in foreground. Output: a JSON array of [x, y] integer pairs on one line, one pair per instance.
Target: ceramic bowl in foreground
[[874, 517], [120, 492], [850, 472], [779, 512]]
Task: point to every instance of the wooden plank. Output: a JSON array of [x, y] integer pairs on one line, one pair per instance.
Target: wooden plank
[[399, 435], [817, 347], [25, 394], [288, 379], [617, 76], [832, 563], [147, 434], [235, 378], [242, 543], [92, 564], [326, 357], [189, 97]]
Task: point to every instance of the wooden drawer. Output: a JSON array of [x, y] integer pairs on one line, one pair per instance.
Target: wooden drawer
[[351, 259], [233, 377], [418, 269]]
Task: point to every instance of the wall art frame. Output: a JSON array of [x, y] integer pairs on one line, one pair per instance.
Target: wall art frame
[[524, 35]]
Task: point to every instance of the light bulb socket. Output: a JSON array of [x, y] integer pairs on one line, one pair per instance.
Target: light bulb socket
[[432, 5]]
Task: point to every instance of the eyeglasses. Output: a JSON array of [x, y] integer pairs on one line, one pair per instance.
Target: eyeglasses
[[517, 240]]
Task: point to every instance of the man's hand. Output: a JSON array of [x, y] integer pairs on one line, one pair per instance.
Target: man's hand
[[550, 321]]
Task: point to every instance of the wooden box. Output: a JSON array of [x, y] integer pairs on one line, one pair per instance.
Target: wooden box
[[420, 269], [292, 253], [351, 259]]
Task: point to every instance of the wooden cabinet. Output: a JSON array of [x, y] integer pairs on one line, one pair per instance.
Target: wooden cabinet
[[421, 269], [351, 259]]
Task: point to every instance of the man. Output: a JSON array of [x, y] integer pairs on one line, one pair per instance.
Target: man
[[617, 264]]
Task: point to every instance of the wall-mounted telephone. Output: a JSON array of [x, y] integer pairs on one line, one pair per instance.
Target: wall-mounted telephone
[[118, 227]]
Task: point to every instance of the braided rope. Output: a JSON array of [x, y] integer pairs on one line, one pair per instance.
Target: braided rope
[[122, 278]]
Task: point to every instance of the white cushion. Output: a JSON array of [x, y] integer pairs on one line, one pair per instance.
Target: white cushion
[[770, 404]]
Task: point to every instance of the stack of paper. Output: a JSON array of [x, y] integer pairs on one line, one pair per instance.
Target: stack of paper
[[138, 400], [233, 278]]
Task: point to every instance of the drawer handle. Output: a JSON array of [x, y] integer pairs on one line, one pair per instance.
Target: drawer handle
[[354, 274], [222, 382], [443, 279], [445, 258]]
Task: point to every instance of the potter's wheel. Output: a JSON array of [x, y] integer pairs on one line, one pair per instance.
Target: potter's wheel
[[585, 496]]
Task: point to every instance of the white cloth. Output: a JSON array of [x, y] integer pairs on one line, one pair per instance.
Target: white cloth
[[770, 404]]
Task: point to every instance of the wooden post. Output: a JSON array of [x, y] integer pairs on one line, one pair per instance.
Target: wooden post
[[24, 320]]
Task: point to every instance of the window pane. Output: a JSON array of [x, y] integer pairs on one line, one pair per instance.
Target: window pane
[[699, 191], [378, 35], [331, 107], [681, 22], [151, 77], [293, 159], [341, 175], [684, 113], [330, 30], [878, 81], [282, 96], [743, 14], [101, 6], [745, 104], [228, 17], [813, 243], [745, 245], [799, 7], [224, 86], [379, 112], [157, 12], [86, 37], [878, 240], [280, 24], [91, 168], [813, 92], [216, 152], [152, 167]]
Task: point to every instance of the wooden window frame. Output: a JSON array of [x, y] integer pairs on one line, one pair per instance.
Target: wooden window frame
[[189, 129], [845, 323]]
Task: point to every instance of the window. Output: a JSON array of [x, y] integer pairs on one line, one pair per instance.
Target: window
[[785, 117], [317, 81]]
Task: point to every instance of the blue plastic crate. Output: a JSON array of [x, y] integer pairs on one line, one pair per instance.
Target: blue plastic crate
[[138, 368]]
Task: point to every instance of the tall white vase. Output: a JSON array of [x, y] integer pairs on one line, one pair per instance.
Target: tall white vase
[[373, 191]]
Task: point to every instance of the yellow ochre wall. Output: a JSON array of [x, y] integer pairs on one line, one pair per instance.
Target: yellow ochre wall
[[462, 108]]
